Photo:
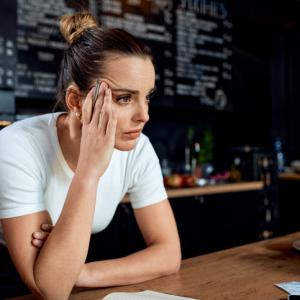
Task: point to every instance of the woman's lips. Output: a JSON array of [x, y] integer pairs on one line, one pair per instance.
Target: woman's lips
[[132, 135]]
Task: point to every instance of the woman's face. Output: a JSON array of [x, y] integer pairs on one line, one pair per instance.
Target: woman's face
[[131, 80]]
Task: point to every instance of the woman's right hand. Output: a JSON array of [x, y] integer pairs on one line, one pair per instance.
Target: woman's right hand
[[98, 134]]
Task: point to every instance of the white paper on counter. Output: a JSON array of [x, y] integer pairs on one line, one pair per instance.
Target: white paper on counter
[[146, 295], [292, 287]]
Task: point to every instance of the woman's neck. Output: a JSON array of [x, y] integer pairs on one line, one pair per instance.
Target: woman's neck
[[69, 137]]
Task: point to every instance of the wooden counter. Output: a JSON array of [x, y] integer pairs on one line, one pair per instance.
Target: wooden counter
[[216, 189], [211, 189], [243, 273], [289, 176]]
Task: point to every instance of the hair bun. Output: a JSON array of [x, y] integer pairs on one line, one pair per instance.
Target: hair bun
[[72, 26]]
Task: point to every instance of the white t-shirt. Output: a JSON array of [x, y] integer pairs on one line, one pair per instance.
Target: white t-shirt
[[34, 175]]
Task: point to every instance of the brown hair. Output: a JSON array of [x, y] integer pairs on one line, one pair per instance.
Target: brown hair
[[89, 46]]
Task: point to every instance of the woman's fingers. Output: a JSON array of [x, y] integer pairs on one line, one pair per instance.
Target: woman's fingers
[[108, 120], [99, 114], [112, 125], [87, 107], [38, 238], [46, 227], [98, 104], [105, 112], [96, 147], [40, 235], [37, 243], [92, 109]]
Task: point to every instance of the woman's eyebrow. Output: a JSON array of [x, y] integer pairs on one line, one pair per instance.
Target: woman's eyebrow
[[125, 90], [130, 91]]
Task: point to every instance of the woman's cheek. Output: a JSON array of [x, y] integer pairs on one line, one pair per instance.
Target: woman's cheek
[[123, 116]]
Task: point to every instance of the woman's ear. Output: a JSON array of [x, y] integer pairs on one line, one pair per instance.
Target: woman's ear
[[74, 99]]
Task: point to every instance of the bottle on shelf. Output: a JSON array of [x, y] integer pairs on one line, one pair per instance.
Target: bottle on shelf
[[196, 168], [235, 172], [188, 150], [206, 156], [280, 159], [265, 165], [199, 154]]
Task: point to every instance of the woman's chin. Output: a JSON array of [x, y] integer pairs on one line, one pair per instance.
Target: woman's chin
[[125, 145]]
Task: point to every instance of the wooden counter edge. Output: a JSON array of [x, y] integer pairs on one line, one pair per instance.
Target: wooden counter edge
[[216, 189], [211, 189], [289, 176], [278, 249]]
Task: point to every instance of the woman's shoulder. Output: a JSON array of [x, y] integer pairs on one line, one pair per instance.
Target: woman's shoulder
[[35, 126], [27, 135], [26, 123]]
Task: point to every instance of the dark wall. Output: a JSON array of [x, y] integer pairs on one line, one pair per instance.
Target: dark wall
[[267, 42], [250, 121], [265, 89], [286, 90]]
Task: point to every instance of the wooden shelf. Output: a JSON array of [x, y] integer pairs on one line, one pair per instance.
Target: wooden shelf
[[289, 176], [215, 189], [211, 189]]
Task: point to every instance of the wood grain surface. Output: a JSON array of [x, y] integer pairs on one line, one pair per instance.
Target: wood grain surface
[[242, 273], [289, 176]]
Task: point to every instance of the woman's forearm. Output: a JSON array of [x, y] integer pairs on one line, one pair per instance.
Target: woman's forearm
[[152, 262], [63, 254]]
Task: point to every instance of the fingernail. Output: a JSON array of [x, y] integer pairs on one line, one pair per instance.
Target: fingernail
[[46, 226], [37, 242], [104, 85], [36, 234]]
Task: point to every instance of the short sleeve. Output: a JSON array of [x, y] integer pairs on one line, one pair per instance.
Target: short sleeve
[[147, 180], [21, 188]]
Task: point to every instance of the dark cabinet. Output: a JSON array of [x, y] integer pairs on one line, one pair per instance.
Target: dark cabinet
[[205, 224], [289, 205], [215, 222]]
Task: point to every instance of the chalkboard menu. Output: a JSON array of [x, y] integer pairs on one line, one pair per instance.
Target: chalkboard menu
[[203, 59], [190, 40], [39, 47], [8, 56], [8, 44]]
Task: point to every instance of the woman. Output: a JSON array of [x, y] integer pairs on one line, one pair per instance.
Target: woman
[[72, 170]]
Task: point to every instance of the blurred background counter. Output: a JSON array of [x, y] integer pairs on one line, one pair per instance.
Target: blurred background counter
[[289, 176], [211, 189]]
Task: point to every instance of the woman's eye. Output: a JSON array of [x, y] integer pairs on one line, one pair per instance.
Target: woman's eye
[[123, 99], [149, 97]]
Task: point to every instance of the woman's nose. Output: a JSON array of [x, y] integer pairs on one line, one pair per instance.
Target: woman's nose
[[141, 114]]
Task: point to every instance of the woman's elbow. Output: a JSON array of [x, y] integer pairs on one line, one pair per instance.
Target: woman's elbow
[[46, 289], [174, 262], [47, 294]]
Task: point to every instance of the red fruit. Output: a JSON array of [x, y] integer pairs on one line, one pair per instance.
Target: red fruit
[[189, 180], [174, 180]]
